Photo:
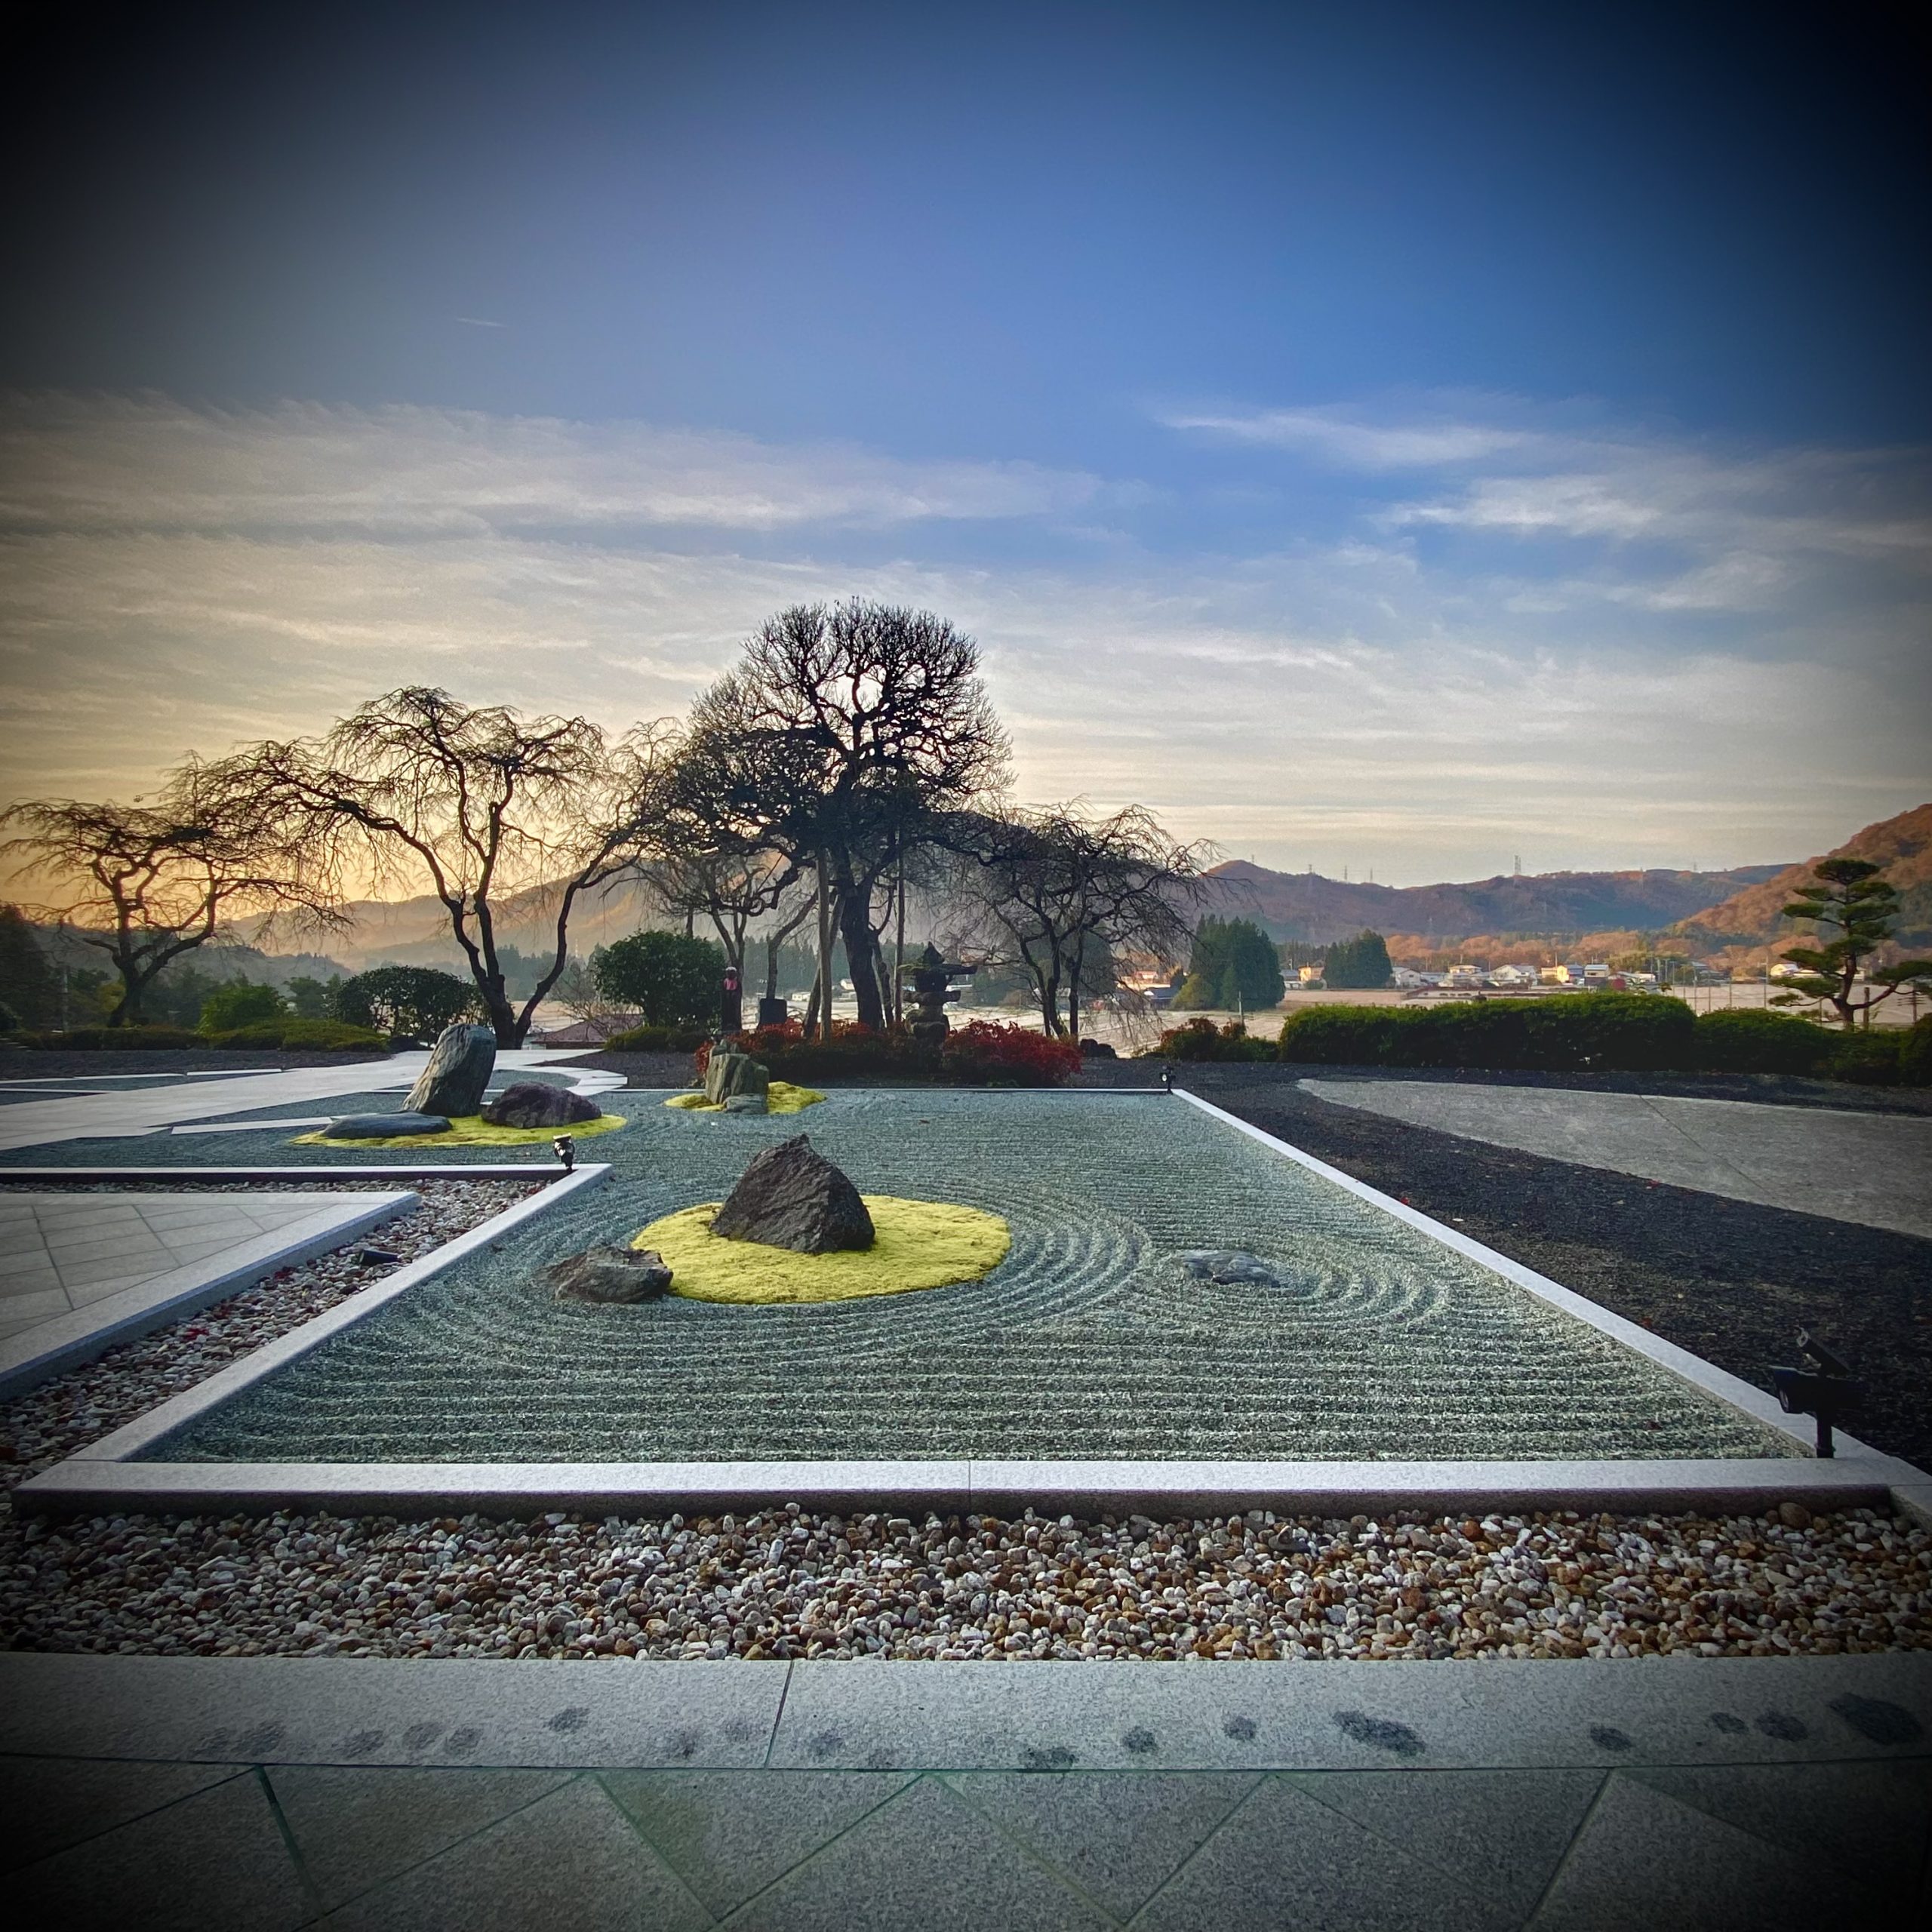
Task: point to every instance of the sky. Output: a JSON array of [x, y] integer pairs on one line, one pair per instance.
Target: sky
[[1396, 438]]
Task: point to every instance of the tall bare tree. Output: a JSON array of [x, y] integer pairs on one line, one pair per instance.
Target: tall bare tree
[[145, 883], [492, 811], [840, 729], [1059, 891]]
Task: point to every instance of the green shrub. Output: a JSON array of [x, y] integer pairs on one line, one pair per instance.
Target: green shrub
[[1201, 1039], [1745, 1040], [240, 1003], [1348, 1036], [671, 979], [329, 1036], [117, 1039], [657, 1040], [416, 1002], [1870, 1059], [1589, 1032], [1915, 1054]]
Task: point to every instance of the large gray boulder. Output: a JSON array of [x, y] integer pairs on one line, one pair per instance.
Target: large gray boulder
[[383, 1126], [604, 1273], [728, 1075], [531, 1103], [792, 1197], [459, 1068]]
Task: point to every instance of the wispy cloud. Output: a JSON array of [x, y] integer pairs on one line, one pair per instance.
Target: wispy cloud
[[1350, 442], [1609, 648]]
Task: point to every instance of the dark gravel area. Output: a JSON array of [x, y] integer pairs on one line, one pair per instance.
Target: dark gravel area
[[1729, 1281]]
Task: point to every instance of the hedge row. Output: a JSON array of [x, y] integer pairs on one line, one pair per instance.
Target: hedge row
[[1603, 1033]]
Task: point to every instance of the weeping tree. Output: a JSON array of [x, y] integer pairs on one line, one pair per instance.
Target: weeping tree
[[504, 818], [841, 733], [1854, 908], [143, 884], [1059, 891]]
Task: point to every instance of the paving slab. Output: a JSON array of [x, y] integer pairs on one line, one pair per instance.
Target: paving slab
[[1874, 1169], [82, 1271]]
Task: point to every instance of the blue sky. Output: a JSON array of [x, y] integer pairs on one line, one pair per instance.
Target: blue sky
[[1401, 437]]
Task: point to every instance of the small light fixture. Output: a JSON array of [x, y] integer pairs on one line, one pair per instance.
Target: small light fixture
[[564, 1148], [1824, 1393], [1167, 1080]]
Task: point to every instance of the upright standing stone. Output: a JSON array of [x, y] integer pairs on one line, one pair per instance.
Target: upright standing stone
[[727, 1075], [793, 1197], [459, 1070]]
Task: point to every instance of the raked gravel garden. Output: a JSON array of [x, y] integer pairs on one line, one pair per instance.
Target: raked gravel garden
[[784, 1582]]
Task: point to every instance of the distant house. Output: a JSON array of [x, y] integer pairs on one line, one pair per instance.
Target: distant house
[[1464, 976], [1513, 976], [1408, 979]]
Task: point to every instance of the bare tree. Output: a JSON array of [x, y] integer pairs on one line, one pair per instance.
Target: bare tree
[[840, 729], [491, 810], [145, 883], [1060, 891], [731, 890]]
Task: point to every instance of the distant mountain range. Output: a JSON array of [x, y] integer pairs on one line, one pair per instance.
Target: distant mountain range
[[1315, 910], [1733, 914]]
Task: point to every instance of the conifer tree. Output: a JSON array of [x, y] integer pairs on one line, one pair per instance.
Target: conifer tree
[[1852, 898]]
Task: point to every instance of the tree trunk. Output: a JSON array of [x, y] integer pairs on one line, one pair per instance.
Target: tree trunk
[[821, 1009], [855, 928]]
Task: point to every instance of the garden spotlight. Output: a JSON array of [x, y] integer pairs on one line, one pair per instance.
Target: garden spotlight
[[1826, 1392], [565, 1150]]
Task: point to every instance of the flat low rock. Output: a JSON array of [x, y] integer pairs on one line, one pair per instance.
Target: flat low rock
[[460, 1065], [1229, 1265], [606, 1274], [533, 1103], [791, 1196], [384, 1126]]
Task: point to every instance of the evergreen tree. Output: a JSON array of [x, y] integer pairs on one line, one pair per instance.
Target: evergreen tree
[[1362, 962], [28, 988], [1233, 966], [671, 979], [1852, 898]]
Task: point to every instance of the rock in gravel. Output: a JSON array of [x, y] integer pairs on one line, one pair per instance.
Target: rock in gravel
[[383, 1126], [728, 1075], [791, 1196], [531, 1103], [459, 1068], [748, 1103], [1794, 1515], [1227, 1265], [607, 1274]]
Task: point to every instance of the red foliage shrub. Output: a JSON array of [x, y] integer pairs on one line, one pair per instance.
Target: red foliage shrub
[[1000, 1055]]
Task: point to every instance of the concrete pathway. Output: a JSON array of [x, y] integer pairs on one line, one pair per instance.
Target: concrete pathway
[[1874, 1169], [123, 1114], [268, 1793], [79, 1270]]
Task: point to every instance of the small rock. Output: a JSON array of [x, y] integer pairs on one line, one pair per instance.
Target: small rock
[[532, 1104], [1794, 1515], [383, 1126], [1227, 1265], [792, 1197], [747, 1104], [460, 1065], [606, 1274]]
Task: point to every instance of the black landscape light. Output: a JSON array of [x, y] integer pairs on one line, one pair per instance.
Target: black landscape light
[[1167, 1080], [565, 1150], [1826, 1392]]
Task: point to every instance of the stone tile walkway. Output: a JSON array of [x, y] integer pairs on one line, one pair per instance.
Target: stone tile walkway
[[271, 1793], [1874, 1169], [78, 1266]]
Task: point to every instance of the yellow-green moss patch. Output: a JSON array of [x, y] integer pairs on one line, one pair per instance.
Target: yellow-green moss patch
[[783, 1098], [919, 1244], [473, 1130]]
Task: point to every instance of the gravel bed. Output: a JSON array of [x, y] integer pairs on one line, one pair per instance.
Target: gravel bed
[[49, 1423], [1728, 1280], [785, 1583]]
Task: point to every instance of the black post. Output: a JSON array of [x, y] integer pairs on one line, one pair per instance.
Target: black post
[[732, 1011]]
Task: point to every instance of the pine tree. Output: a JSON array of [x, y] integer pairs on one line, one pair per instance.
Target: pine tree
[[1852, 898], [28, 990]]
